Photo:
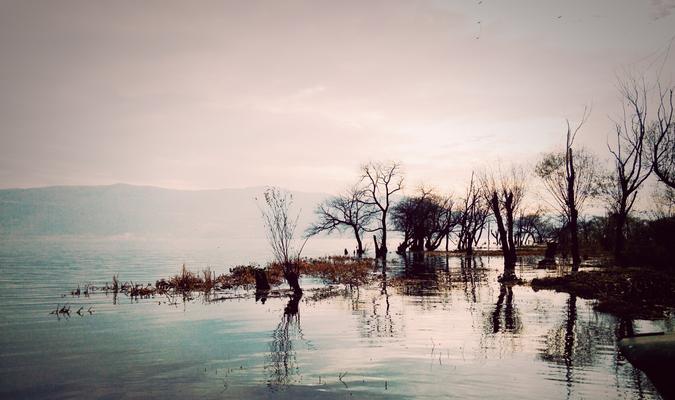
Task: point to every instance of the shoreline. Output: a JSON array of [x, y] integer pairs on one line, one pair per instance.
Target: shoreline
[[633, 293]]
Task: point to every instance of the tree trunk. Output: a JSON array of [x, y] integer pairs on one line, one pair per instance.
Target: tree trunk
[[574, 214], [549, 256], [359, 244], [576, 258], [292, 279], [383, 246], [620, 238], [509, 260], [261, 282], [510, 266]]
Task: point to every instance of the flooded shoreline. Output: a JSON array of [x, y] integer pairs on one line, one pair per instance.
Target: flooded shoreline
[[440, 327]]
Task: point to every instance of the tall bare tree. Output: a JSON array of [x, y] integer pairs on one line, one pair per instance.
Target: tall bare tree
[[663, 138], [472, 217], [346, 211], [442, 221], [280, 229], [380, 180], [631, 163], [532, 226], [504, 191], [571, 179]]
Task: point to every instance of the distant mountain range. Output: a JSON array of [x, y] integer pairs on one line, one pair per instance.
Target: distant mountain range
[[140, 210]]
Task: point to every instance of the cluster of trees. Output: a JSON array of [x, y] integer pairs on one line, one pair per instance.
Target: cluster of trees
[[363, 208], [644, 144], [428, 219]]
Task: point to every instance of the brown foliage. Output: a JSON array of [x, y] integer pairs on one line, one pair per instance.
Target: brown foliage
[[339, 270]]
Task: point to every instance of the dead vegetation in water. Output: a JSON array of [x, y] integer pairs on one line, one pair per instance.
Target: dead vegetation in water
[[186, 281], [64, 311], [352, 272], [627, 292], [533, 250], [243, 276], [331, 270], [327, 292]]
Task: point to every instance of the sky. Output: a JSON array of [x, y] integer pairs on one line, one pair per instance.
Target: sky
[[207, 95]]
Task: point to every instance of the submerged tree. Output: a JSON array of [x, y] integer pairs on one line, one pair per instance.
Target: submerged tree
[[346, 211], [505, 191], [471, 217], [280, 228], [442, 220], [409, 217], [425, 220], [632, 166], [571, 178], [380, 181]]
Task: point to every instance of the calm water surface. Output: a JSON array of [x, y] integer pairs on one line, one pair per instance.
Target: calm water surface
[[438, 327]]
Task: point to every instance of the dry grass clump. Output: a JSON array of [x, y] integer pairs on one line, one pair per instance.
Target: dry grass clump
[[188, 281], [239, 276], [339, 270], [332, 270], [244, 276]]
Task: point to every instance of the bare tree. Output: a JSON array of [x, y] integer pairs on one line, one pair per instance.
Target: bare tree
[[532, 227], [663, 138], [632, 166], [380, 180], [571, 178], [664, 202], [346, 211], [441, 221], [280, 229], [505, 191], [472, 217]]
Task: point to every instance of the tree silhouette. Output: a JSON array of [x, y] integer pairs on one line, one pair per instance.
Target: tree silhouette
[[346, 211], [281, 234], [381, 180], [505, 191]]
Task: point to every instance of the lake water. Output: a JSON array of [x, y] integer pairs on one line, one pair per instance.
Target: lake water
[[447, 330]]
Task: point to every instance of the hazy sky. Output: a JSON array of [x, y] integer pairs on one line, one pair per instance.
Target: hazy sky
[[298, 94]]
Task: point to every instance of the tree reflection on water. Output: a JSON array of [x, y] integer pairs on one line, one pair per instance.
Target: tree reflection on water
[[282, 363], [505, 316], [575, 344], [375, 319]]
